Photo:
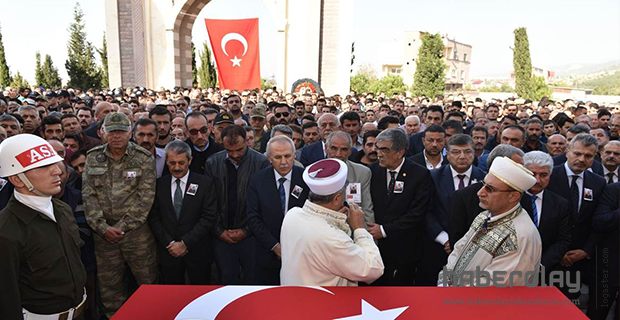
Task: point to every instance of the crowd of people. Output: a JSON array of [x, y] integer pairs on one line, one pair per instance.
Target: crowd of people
[[209, 186]]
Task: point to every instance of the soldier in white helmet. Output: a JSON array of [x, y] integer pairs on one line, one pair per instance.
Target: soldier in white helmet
[[41, 274]]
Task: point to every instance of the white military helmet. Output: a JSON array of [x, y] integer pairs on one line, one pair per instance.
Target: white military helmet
[[24, 152]]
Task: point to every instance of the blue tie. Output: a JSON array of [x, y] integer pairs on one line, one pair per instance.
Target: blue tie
[[534, 209], [282, 194]]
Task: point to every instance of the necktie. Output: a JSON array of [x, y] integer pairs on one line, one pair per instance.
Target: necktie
[[177, 201], [461, 181], [610, 177], [392, 181], [574, 192], [282, 194], [534, 209]]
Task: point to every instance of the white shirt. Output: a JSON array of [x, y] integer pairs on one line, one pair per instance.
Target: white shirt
[[456, 179], [173, 184], [429, 165], [287, 185], [317, 249], [37, 203], [605, 172], [569, 174]]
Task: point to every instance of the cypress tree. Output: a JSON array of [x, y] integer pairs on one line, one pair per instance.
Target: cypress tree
[[194, 68], [38, 75], [19, 82], [50, 78], [81, 68], [522, 63], [207, 75], [103, 54], [5, 74], [429, 78]]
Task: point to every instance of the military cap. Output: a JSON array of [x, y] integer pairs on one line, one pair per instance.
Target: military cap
[[224, 118], [116, 121]]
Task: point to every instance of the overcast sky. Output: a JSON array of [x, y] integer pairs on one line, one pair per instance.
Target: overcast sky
[[561, 32]]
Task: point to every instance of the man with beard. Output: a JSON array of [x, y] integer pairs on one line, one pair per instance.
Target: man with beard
[[233, 105], [282, 114], [434, 116], [145, 135], [71, 125], [556, 145], [432, 155], [351, 124], [368, 155], [533, 129], [163, 119]]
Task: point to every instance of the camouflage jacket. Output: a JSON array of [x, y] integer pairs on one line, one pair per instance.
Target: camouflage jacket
[[118, 193]]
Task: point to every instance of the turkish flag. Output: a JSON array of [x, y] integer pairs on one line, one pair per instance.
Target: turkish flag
[[235, 47]]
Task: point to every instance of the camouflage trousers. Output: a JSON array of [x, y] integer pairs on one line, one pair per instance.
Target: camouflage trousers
[[137, 250]]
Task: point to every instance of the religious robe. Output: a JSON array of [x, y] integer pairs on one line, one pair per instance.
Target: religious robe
[[497, 250], [317, 249]]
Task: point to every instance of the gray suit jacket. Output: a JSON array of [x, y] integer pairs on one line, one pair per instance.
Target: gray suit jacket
[[361, 174]]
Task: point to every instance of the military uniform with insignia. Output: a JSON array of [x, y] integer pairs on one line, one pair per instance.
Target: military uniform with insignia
[[118, 194]]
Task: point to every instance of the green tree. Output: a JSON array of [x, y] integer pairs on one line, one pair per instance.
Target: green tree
[[207, 75], [81, 67], [538, 89], [49, 74], [103, 54], [267, 84], [429, 78], [19, 82], [389, 85], [5, 74], [522, 64], [38, 75], [363, 82], [194, 67]]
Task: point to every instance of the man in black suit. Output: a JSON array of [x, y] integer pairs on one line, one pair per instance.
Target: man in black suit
[[181, 218], [434, 140], [401, 193], [314, 152], [610, 156], [465, 204], [606, 220], [200, 141], [272, 191], [433, 116], [583, 190], [458, 174], [549, 211]]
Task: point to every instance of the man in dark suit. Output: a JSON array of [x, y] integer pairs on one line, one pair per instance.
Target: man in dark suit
[[401, 193], [434, 116], [606, 220], [465, 205], [458, 174], [272, 191], [181, 218], [200, 141], [434, 140], [583, 190], [610, 155], [549, 211]]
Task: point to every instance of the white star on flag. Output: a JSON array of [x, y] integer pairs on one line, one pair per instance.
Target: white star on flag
[[369, 312], [236, 62]]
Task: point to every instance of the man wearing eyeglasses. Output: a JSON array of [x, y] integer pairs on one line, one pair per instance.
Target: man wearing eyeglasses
[[200, 141], [502, 246], [457, 175]]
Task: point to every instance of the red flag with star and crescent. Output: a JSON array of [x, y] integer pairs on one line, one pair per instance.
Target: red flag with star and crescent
[[235, 47]]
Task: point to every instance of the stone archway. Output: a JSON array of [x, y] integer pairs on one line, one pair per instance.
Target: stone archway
[[183, 24]]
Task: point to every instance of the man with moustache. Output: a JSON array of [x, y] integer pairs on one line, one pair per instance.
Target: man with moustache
[[145, 135], [163, 119], [533, 129], [233, 105], [200, 141], [311, 153], [368, 155], [86, 117], [479, 135], [273, 191], [282, 114], [181, 218], [610, 154]]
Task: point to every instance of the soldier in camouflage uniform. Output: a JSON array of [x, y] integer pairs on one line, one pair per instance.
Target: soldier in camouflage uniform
[[118, 190]]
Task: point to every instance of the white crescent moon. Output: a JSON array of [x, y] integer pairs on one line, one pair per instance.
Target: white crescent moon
[[234, 36], [209, 305]]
